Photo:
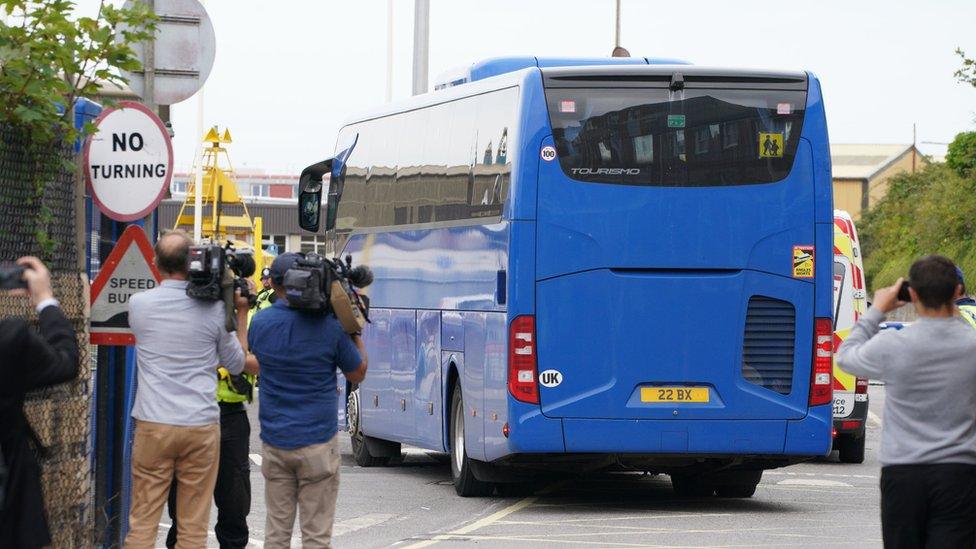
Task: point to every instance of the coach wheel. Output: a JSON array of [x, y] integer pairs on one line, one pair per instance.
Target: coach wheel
[[359, 448], [465, 483], [692, 486], [851, 449], [738, 484]]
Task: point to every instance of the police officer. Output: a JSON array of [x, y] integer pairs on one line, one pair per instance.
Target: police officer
[[966, 304], [232, 493], [267, 294]]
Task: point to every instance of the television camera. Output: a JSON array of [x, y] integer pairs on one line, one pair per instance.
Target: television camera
[[216, 273]]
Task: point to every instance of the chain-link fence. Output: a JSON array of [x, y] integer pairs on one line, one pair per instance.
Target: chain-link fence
[[38, 216]]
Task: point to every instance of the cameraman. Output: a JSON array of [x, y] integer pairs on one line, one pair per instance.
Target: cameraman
[[179, 343], [29, 361], [299, 352], [928, 440]]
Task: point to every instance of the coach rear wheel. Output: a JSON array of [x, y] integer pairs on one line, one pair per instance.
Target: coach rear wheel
[[738, 484], [359, 448], [465, 482], [693, 486]]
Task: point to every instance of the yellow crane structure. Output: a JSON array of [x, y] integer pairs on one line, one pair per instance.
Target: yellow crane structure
[[224, 213]]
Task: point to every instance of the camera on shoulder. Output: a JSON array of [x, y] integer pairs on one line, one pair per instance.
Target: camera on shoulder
[[314, 283], [215, 272]]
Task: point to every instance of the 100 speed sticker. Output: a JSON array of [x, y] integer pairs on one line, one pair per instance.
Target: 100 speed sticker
[[548, 153]]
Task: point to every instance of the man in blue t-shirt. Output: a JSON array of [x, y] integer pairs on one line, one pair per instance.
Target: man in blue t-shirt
[[299, 352]]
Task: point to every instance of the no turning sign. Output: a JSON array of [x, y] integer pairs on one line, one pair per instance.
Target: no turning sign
[[128, 162]]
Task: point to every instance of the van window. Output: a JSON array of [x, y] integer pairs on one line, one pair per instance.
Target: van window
[[843, 294]]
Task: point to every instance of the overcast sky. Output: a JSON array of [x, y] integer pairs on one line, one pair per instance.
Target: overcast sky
[[288, 72]]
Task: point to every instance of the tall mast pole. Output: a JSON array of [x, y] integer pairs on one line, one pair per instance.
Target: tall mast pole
[[421, 41]]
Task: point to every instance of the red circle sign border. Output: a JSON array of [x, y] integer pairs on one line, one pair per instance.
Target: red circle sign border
[[169, 168]]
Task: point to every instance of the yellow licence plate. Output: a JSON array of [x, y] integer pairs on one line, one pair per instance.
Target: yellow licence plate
[[674, 394]]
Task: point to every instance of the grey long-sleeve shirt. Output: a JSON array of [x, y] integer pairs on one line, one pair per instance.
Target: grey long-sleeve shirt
[[929, 371], [179, 343]]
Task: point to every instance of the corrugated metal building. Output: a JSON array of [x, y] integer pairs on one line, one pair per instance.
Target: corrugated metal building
[[279, 220], [861, 172]]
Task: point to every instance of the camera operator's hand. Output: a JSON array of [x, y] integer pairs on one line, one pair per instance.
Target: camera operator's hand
[[886, 299], [38, 280], [241, 303]]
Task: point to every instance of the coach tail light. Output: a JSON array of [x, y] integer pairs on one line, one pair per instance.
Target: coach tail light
[[522, 381], [822, 379]]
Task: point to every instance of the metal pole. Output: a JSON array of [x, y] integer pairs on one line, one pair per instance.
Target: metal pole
[[389, 50], [421, 40], [149, 71], [198, 183], [616, 31]]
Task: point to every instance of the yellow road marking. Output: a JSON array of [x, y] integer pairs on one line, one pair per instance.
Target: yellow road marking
[[635, 517], [490, 519], [487, 521], [604, 543]]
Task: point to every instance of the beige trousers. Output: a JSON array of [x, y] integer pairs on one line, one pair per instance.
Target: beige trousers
[[308, 478], [158, 452]]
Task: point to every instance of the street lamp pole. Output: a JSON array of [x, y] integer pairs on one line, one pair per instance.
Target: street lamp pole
[[616, 28], [389, 50], [421, 40]]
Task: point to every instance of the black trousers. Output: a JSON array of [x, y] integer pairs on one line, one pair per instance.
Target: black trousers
[[232, 494], [930, 506]]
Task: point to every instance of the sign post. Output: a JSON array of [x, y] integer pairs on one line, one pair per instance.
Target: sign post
[[128, 270], [128, 163]]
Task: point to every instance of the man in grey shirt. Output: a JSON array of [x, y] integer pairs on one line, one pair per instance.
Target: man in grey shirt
[[180, 342], [928, 441]]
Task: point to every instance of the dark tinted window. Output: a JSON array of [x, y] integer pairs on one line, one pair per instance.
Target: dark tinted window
[[642, 136], [446, 162]]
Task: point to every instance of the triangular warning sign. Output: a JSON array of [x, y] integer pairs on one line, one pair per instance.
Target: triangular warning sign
[[128, 270], [212, 136]]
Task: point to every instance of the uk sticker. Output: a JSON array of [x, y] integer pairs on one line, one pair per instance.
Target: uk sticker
[[770, 145], [548, 153], [550, 378], [802, 261]]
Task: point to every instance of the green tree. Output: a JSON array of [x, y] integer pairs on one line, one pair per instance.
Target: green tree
[[967, 73], [961, 156], [49, 57]]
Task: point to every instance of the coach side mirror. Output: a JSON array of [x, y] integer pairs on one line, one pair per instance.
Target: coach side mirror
[[310, 195]]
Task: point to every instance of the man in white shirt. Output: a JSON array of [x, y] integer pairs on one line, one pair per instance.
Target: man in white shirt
[[180, 341]]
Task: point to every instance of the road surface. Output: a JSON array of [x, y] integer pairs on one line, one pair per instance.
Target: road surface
[[816, 504]]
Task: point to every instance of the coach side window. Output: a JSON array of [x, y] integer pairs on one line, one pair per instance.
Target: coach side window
[[453, 191], [351, 207], [492, 168], [382, 160], [410, 160]]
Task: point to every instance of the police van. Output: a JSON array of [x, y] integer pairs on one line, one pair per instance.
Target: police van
[[850, 302]]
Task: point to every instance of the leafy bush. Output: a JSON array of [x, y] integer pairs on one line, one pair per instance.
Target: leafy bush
[[961, 156], [932, 211]]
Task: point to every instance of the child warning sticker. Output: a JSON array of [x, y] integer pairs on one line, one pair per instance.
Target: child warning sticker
[[770, 145], [802, 261]]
